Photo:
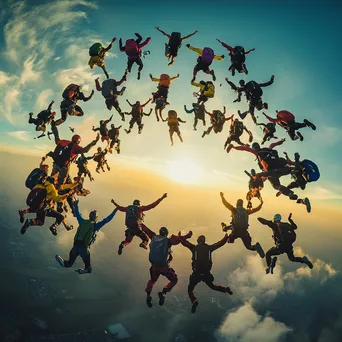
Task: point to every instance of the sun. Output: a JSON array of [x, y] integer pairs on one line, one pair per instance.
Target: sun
[[184, 171]]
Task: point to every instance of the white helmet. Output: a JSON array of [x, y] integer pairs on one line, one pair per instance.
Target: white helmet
[[277, 218]]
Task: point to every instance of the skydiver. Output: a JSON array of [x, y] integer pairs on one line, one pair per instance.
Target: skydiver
[[199, 111], [237, 58], [137, 115], [239, 224], [235, 132], [133, 220], [255, 185], [174, 44], [217, 120], [163, 86], [113, 134], [201, 266], [99, 157], [103, 129], [160, 106], [268, 130], [97, 54], [207, 91], [284, 236], [43, 119], [206, 57]]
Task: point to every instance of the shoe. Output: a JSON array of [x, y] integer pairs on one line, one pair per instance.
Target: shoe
[[266, 105], [193, 79], [308, 262], [249, 205], [60, 260], [118, 151], [310, 124], [308, 205], [97, 170], [142, 245], [233, 71], [301, 138], [203, 135], [108, 168], [229, 291], [229, 148], [149, 301], [246, 70], [293, 197], [161, 298], [278, 194], [138, 76], [68, 228], [259, 250], [224, 227], [127, 131], [83, 270], [274, 261], [213, 75], [25, 227], [121, 247], [53, 230], [21, 216], [194, 306], [267, 270]]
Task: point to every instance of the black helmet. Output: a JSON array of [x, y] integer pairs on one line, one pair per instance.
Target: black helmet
[[163, 231], [242, 83], [255, 146], [136, 202], [101, 122], [93, 215], [112, 125], [253, 173], [239, 203], [201, 239]]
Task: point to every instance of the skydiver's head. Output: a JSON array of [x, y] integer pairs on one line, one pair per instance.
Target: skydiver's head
[[201, 239], [256, 146], [277, 218], [136, 202], [242, 83], [239, 203], [99, 149], [236, 120], [163, 231], [137, 104], [45, 168], [296, 155], [76, 139], [101, 122], [112, 126], [203, 83], [93, 216], [253, 173]]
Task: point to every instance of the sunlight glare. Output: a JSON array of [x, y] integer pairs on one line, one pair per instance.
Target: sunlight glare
[[184, 171]]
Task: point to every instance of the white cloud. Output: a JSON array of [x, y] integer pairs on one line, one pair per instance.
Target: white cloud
[[246, 325], [11, 100], [30, 71], [44, 99], [20, 135], [320, 193], [5, 78]]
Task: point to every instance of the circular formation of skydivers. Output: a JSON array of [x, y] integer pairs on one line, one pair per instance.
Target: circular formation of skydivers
[[53, 193]]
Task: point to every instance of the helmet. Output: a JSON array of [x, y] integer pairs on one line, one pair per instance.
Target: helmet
[[242, 83], [202, 82], [45, 167], [93, 215], [136, 202], [277, 218], [236, 120], [163, 231], [76, 139], [201, 239], [137, 103], [253, 173], [255, 146], [99, 149], [101, 122], [239, 203], [112, 125]]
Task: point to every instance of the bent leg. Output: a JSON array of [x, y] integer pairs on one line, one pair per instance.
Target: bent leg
[[209, 279], [173, 280], [154, 275], [193, 281], [73, 254]]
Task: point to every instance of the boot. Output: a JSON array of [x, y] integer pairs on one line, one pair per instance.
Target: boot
[[143, 245], [307, 204], [310, 124], [121, 247], [161, 298], [259, 250], [25, 227], [149, 301], [194, 306], [308, 262], [84, 270], [60, 260], [21, 216]]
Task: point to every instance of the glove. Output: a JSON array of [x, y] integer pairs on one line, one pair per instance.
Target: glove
[[187, 45], [222, 56]]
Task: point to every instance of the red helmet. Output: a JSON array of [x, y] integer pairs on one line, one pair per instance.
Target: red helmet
[[76, 139]]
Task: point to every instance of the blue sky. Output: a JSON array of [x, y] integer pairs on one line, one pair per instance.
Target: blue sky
[[46, 47]]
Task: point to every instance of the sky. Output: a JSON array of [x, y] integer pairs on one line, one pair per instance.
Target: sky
[[45, 47]]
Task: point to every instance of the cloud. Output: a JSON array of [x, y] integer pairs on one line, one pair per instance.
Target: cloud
[[20, 135], [320, 193], [44, 99], [245, 325], [10, 100], [30, 71], [5, 78]]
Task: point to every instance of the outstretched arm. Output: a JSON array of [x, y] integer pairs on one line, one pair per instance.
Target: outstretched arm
[[189, 111], [50, 105], [208, 112], [95, 129], [109, 46], [143, 105], [154, 79], [106, 220], [97, 84], [173, 78], [219, 244], [129, 103], [245, 148], [224, 110], [77, 213], [147, 40], [229, 118], [270, 119], [84, 98], [293, 225], [175, 240], [288, 160], [123, 79], [122, 47], [164, 33], [89, 146], [219, 58], [189, 35], [228, 47], [149, 113], [186, 243], [120, 208], [261, 124], [226, 204], [147, 231], [277, 143], [195, 84], [266, 222], [199, 51], [232, 85], [254, 210], [152, 205], [267, 83], [249, 51], [180, 120]]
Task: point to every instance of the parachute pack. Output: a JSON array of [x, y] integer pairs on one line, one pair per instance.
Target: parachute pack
[[202, 258], [108, 88], [237, 128], [36, 198], [288, 235], [85, 232], [132, 215], [253, 89], [285, 115], [240, 218], [159, 250], [35, 177], [44, 115], [164, 80], [239, 54], [310, 170], [267, 154], [207, 55], [70, 91], [131, 48], [95, 49], [175, 40], [61, 154]]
